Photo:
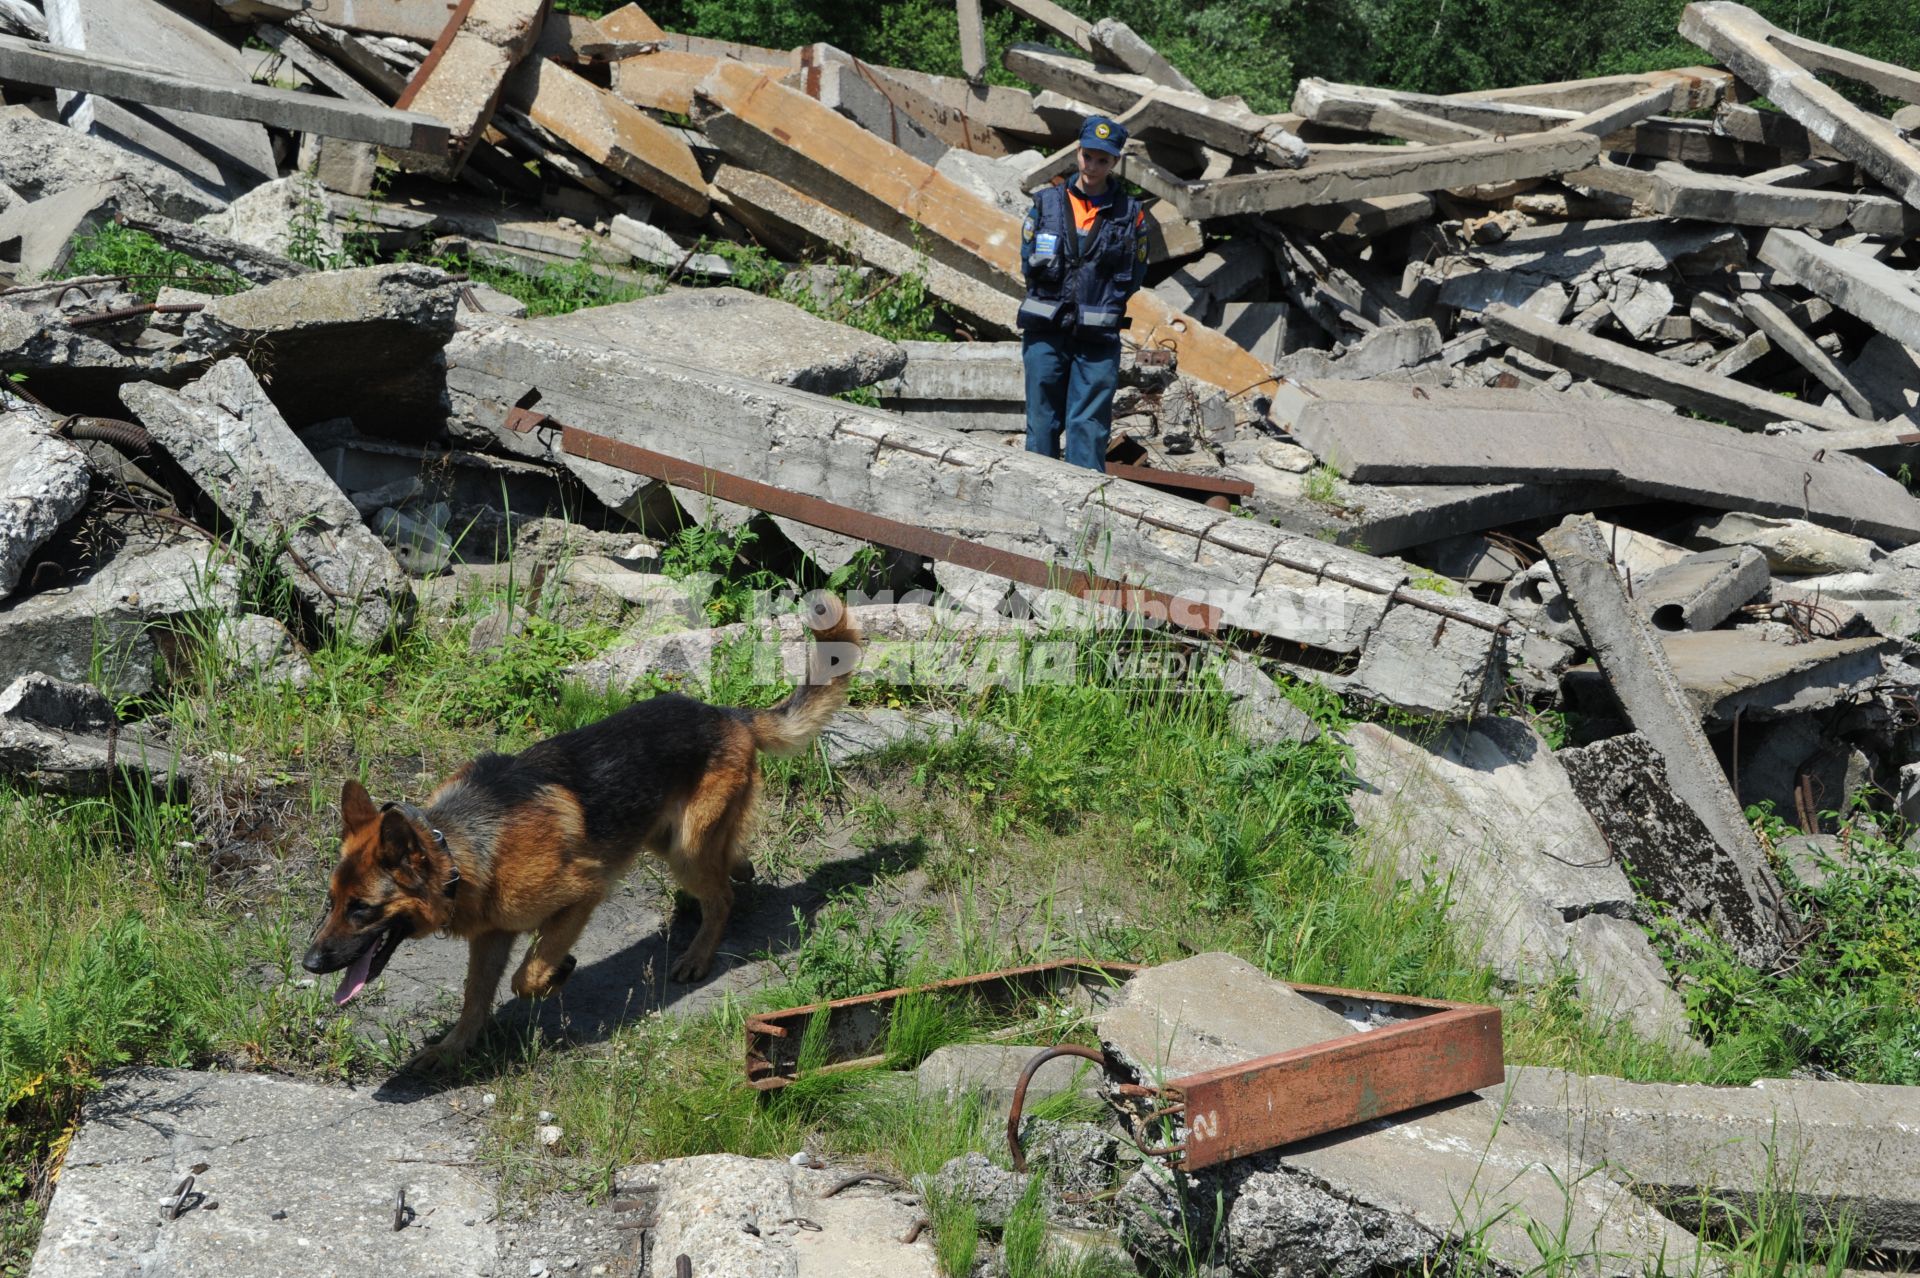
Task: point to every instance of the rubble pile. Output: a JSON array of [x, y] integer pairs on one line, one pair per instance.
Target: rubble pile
[[1593, 399]]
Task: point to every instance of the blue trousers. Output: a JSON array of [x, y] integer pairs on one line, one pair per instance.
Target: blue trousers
[[1070, 384]]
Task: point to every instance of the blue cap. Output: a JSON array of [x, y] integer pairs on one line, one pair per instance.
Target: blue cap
[[1101, 134]]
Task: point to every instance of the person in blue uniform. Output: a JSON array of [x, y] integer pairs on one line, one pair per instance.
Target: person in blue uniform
[[1083, 251]]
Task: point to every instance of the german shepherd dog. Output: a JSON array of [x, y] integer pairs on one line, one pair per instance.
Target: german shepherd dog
[[533, 842]]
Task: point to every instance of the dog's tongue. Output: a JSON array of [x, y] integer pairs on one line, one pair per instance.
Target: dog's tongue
[[356, 978]]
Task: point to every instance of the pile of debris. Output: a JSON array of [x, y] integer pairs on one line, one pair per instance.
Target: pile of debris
[[1417, 341]]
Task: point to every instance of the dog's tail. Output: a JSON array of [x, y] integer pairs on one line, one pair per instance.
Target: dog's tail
[[792, 725]]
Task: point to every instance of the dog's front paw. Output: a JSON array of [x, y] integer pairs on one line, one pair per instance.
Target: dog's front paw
[[440, 1058], [691, 967], [537, 980]]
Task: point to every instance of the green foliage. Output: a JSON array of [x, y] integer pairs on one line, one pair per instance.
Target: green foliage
[[554, 289], [149, 266], [1850, 1003], [898, 308], [519, 685]]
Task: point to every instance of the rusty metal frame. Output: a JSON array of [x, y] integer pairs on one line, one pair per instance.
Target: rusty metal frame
[[865, 526], [1438, 1050], [855, 1027]]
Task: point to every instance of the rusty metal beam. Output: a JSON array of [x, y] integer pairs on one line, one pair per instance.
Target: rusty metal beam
[[856, 1028], [865, 526], [1437, 1051], [1449, 1049]]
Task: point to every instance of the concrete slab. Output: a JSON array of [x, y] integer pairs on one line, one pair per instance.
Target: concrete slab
[[462, 84], [40, 158], [1867, 289], [227, 435], [1486, 810], [386, 323], [65, 738], [999, 497], [1791, 546], [1390, 1194], [1753, 911], [1744, 674], [1843, 1150], [220, 156], [609, 131], [293, 1178], [1377, 433], [737, 332]]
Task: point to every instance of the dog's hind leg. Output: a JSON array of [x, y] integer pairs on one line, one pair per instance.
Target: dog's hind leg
[[549, 961], [704, 856], [487, 956]]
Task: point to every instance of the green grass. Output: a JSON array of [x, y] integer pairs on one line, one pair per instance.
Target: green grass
[[149, 266]]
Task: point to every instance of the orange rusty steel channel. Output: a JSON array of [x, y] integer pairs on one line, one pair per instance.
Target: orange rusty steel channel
[[1185, 613], [1276, 1100], [1439, 1051], [768, 1031]]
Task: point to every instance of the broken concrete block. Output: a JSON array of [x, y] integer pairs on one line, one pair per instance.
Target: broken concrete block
[[1201, 288], [39, 158], [837, 81], [46, 481], [1743, 41], [1261, 712], [1621, 978], [1791, 546], [1485, 810], [1636, 372], [220, 156], [648, 243], [255, 1132], [386, 323], [1744, 674], [260, 648], [1835, 1151], [1386, 349], [950, 1074], [1625, 786], [1888, 374], [780, 214], [610, 132], [339, 164], [1751, 911], [230, 438], [741, 333], [1703, 590], [1388, 1195], [464, 82], [279, 217], [1640, 304], [1268, 330], [35, 236], [997, 180], [105, 628], [66, 738]]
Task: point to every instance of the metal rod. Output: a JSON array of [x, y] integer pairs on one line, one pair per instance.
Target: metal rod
[[1014, 1148]]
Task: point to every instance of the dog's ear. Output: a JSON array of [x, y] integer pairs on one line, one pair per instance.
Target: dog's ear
[[401, 851], [356, 806]]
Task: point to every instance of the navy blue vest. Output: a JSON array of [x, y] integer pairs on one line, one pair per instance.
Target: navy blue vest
[[1070, 289]]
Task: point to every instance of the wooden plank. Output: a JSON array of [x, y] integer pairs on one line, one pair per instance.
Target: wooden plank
[[1743, 40], [610, 132], [1394, 171], [460, 82], [24, 62], [789, 136]]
